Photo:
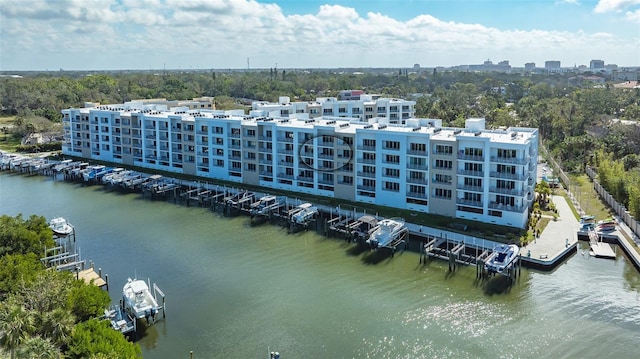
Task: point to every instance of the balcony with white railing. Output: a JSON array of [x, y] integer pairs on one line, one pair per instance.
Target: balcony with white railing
[[367, 161], [367, 188], [305, 178], [418, 152], [419, 167], [509, 191], [504, 207], [510, 160], [417, 180], [474, 158], [367, 174], [470, 188], [470, 173], [468, 202], [511, 176], [419, 195]]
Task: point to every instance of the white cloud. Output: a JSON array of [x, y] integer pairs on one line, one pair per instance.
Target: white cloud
[[223, 33], [633, 16], [614, 5]]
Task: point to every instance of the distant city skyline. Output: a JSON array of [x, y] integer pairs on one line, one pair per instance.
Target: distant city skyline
[[235, 34]]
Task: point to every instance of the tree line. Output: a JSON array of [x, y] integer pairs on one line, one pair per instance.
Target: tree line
[[574, 119], [50, 314]]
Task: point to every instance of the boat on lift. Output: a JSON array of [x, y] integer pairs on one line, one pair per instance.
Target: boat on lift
[[138, 301], [501, 258], [306, 213], [388, 231], [60, 226], [264, 205]]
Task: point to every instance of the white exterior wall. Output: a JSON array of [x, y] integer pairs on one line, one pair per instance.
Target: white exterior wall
[[212, 144]]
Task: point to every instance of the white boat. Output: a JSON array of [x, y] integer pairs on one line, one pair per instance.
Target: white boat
[[60, 226], [501, 257], [387, 231], [264, 205], [305, 214], [138, 301], [90, 172], [240, 197], [112, 177]]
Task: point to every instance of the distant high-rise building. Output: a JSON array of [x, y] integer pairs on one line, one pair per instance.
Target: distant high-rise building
[[502, 66], [552, 65], [530, 66], [596, 64]]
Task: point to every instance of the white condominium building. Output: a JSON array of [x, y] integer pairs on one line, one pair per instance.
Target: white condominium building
[[367, 107], [471, 172]]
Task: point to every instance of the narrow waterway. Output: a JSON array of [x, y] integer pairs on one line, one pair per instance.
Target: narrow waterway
[[235, 289]]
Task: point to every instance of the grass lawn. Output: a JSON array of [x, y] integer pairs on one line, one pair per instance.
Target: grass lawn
[[588, 198], [8, 141]]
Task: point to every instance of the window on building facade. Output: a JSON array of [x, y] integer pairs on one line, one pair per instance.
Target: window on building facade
[[440, 178], [502, 153], [347, 180], [443, 193], [506, 169], [475, 197], [503, 184], [444, 149], [476, 167], [394, 159], [369, 142], [444, 164], [392, 172], [391, 186], [476, 152], [473, 182], [369, 156], [391, 145]]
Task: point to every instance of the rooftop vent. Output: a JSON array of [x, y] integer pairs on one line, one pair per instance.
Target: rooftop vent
[[344, 125], [416, 129], [437, 130], [382, 127], [368, 127], [477, 133]]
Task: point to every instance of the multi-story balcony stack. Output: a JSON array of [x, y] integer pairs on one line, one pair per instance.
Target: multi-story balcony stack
[[413, 163]]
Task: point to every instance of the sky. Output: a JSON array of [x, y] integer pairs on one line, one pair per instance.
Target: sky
[[237, 34]]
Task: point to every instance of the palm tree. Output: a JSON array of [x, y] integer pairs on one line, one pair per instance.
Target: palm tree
[[38, 348], [16, 324], [57, 325]]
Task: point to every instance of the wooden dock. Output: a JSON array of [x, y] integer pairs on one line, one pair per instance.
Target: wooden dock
[[90, 276], [600, 249]]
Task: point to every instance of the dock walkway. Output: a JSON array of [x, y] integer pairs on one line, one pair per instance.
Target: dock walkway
[[558, 240]]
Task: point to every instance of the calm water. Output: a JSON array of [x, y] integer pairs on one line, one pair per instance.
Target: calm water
[[235, 289]]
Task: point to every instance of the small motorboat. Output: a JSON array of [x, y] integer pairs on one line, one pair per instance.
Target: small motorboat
[[306, 213], [264, 205], [387, 232], [60, 226], [501, 258], [138, 301]]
